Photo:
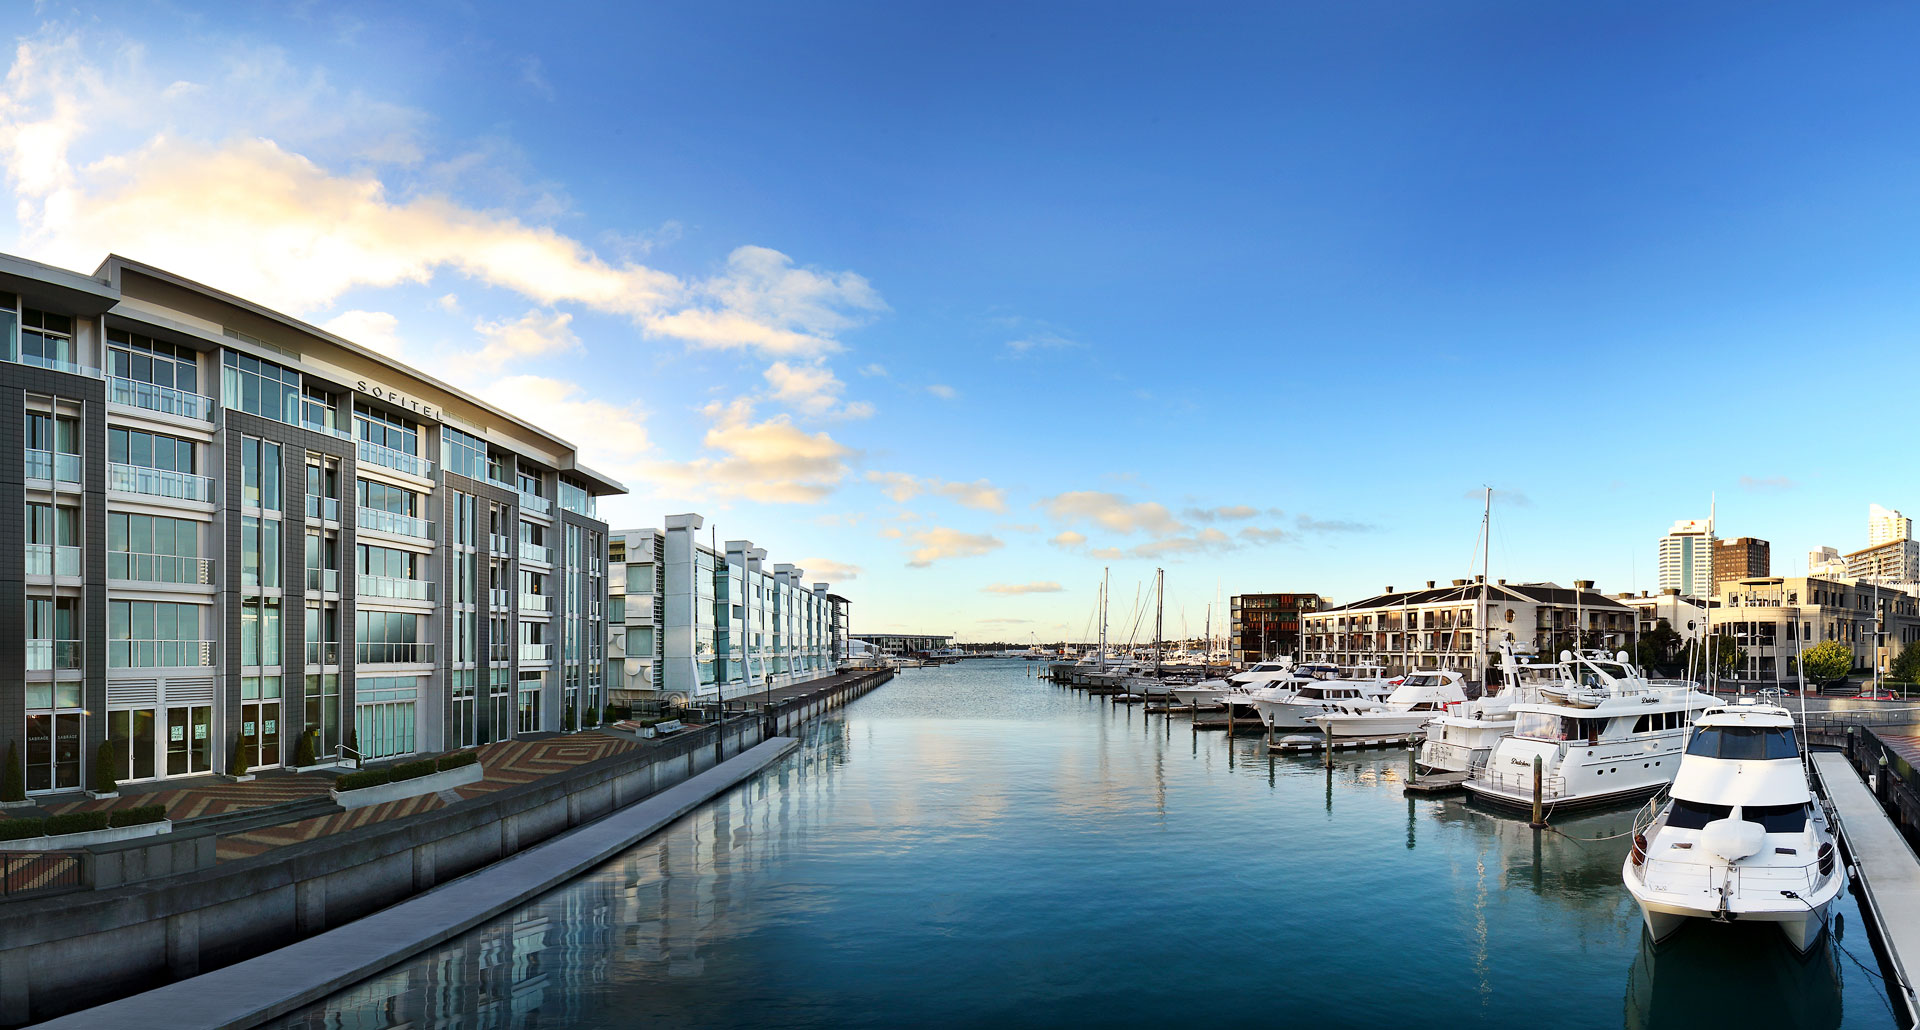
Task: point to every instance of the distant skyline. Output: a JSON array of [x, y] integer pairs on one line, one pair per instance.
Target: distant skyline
[[955, 306]]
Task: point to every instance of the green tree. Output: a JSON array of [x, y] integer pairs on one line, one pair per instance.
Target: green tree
[[104, 762], [1906, 667], [237, 766], [1728, 657], [1827, 662], [1658, 645], [303, 751]]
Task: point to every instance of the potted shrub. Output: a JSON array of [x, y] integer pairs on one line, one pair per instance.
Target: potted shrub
[[104, 763], [13, 780], [237, 764], [303, 751]]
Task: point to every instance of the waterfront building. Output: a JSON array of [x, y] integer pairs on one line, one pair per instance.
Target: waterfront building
[[695, 622], [1437, 626], [1267, 626], [907, 643], [1895, 561], [1684, 615], [1884, 526], [1771, 618], [243, 538], [1686, 558], [1741, 558], [1826, 562]]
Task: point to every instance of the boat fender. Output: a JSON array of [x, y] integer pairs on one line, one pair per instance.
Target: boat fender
[[1639, 849], [1826, 859]]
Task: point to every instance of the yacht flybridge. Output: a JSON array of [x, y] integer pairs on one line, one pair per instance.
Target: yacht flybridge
[[1261, 676], [1742, 836], [1460, 740], [1417, 700], [1613, 737], [1320, 690]]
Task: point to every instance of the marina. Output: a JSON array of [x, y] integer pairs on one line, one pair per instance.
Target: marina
[[975, 844]]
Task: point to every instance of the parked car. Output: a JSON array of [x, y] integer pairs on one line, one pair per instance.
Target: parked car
[[1883, 694]]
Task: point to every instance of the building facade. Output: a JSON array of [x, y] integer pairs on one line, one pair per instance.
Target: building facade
[[1826, 562], [1267, 626], [695, 622], [1895, 561], [244, 539], [1741, 558], [1884, 526], [1686, 616], [1772, 618], [1686, 558], [1439, 626], [907, 643]]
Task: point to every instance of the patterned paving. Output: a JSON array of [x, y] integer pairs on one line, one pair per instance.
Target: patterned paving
[[213, 797], [1907, 747]]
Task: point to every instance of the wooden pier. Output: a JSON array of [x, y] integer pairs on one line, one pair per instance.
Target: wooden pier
[[1886, 873], [1308, 743]]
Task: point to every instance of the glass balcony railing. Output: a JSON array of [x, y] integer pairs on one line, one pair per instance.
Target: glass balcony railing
[[180, 486], [58, 365], [498, 544], [535, 503], [541, 603], [159, 568], [535, 552], [324, 508], [390, 586], [398, 653], [323, 581], [499, 652], [323, 652], [399, 461], [322, 427], [49, 465], [158, 654], [164, 399], [536, 652], [52, 560], [497, 598], [393, 522], [47, 655]]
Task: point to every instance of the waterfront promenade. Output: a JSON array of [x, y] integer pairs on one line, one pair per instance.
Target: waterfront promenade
[[1888, 873]]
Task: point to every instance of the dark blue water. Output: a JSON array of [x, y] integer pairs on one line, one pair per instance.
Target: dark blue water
[[970, 845]]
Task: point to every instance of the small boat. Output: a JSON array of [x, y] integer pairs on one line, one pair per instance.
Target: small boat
[[1742, 836], [1419, 697]]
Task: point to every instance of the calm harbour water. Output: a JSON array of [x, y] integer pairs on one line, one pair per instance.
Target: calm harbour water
[[972, 845]]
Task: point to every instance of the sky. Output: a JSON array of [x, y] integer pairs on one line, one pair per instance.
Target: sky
[[955, 306]]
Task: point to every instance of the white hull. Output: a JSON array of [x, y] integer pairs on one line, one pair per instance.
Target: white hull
[[1802, 923], [1374, 724]]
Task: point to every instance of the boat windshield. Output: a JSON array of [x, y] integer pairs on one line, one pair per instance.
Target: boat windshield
[[1547, 726], [1421, 680], [1694, 815], [1745, 743]]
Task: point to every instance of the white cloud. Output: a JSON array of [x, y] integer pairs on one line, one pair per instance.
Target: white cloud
[[826, 570], [535, 77], [979, 495], [1068, 539], [378, 330], [534, 334], [612, 438], [770, 461], [763, 303], [1037, 587], [1040, 341], [812, 390], [1225, 513], [941, 542], [449, 303], [1111, 511], [873, 370], [943, 391]]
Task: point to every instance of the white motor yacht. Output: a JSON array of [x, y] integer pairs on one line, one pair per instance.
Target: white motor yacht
[[1460, 740], [1742, 836], [1621, 741], [1419, 697], [1261, 676], [1320, 690]]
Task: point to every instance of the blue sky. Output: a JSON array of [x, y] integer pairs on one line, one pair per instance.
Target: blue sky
[[957, 305]]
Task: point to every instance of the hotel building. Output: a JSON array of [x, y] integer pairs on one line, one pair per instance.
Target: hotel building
[[1686, 558], [238, 531], [1437, 627], [1266, 626], [1772, 618], [694, 622]]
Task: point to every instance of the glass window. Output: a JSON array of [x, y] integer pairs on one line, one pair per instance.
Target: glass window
[[261, 387]]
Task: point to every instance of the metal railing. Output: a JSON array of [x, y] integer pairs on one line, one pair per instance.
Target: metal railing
[[400, 461], [535, 503], [164, 399], [58, 365], [498, 598], [536, 652], [322, 427], [499, 652], [51, 466], [181, 486], [52, 560], [397, 653], [45, 655], [536, 552], [1520, 784], [323, 581], [135, 567], [542, 603], [395, 523], [402, 589], [159, 654], [24, 873], [323, 652], [498, 544], [327, 509]]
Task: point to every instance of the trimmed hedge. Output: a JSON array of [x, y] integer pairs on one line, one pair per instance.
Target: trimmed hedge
[[458, 759], [404, 771], [77, 822], [80, 822], [137, 815], [412, 770], [363, 778], [19, 829]]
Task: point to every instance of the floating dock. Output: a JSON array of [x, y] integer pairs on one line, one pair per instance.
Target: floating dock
[[1216, 719], [1886, 873], [1435, 783], [1304, 743]]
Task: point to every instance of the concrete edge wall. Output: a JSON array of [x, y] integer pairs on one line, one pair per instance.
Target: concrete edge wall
[[57, 953]]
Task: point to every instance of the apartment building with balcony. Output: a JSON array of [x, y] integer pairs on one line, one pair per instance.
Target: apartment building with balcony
[[1772, 618], [1441, 626], [239, 530], [699, 622], [1263, 626]]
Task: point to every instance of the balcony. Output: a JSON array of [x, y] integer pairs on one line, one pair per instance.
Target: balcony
[[322, 427], [324, 508], [397, 653], [497, 598], [402, 589], [400, 461], [323, 652], [52, 560], [57, 365], [536, 652], [47, 655], [535, 552], [395, 523], [500, 545], [538, 603], [535, 503], [50, 466], [323, 581], [134, 567], [179, 486], [158, 654], [164, 399], [499, 652]]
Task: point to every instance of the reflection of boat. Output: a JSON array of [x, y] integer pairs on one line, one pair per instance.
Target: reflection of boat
[[1742, 837], [1673, 984], [1419, 697]]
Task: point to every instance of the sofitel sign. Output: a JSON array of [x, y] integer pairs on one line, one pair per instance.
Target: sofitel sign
[[399, 400]]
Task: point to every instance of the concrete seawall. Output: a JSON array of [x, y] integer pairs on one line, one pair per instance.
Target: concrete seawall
[[69, 952]]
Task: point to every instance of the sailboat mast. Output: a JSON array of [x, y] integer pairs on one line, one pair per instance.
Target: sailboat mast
[[1106, 584], [1486, 579], [1159, 614]]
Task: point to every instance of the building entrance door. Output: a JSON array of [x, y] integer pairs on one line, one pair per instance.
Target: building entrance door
[[189, 740]]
